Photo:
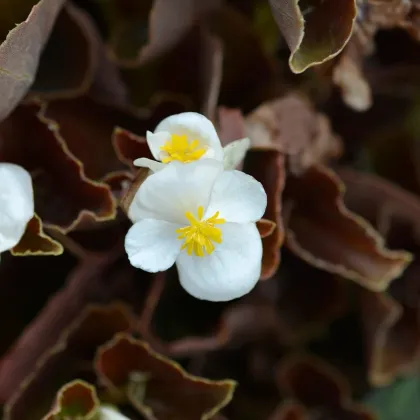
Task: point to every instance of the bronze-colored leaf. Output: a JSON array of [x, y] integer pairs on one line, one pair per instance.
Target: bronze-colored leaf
[[20, 51], [391, 321], [36, 242], [69, 60], [64, 197], [315, 30], [380, 201], [77, 399], [392, 328], [156, 386], [66, 360], [267, 167], [129, 146], [292, 126], [87, 126], [384, 329], [266, 227], [320, 388], [323, 232]]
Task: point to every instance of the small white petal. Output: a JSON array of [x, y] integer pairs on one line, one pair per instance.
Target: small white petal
[[153, 165], [152, 245], [238, 197], [176, 189], [235, 153], [107, 413], [196, 127], [156, 140], [16, 204], [231, 271]]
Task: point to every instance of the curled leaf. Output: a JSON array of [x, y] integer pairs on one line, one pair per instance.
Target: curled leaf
[[390, 342], [323, 232], [156, 386], [320, 388], [64, 197], [20, 52], [36, 242], [77, 399], [266, 227], [315, 30], [267, 167], [129, 147], [64, 361]]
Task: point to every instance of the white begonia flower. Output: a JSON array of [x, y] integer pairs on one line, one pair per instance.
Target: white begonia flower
[[16, 204], [110, 413], [203, 219], [188, 137]]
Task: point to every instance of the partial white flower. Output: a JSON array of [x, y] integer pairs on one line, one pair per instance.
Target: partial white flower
[[16, 204], [188, 137], [110, 413], [203, 219]]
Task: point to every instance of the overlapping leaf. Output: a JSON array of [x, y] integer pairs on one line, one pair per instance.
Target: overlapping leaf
[[77, 399], [36, 242], [158, 387], [320, 388], [323, 232], [391, 321], [64, 196], [64, 360]]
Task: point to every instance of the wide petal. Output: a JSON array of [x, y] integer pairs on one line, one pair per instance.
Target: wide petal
[[16, 204], [235, 153], [153, 165], [108, 413], [231, 271], [152, 245], [169, 193], [156, 140], [196, 127], [238, 197]]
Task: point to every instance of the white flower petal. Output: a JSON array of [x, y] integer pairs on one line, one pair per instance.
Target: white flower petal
[[16, 204], [156, 140], [238, 197], [107, 413], [176, 189], [231, 271], [152, 245], [153, 165], [196, 127], [235, 152]]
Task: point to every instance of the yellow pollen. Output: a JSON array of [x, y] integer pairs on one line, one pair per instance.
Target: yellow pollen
[[179, 148], [200, 235]]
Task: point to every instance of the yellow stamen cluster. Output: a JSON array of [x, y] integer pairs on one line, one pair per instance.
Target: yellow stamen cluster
[[200, 235], [179, 148]]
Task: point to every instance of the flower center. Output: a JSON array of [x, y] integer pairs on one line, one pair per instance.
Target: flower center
[[200, 235], [179, 148]]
